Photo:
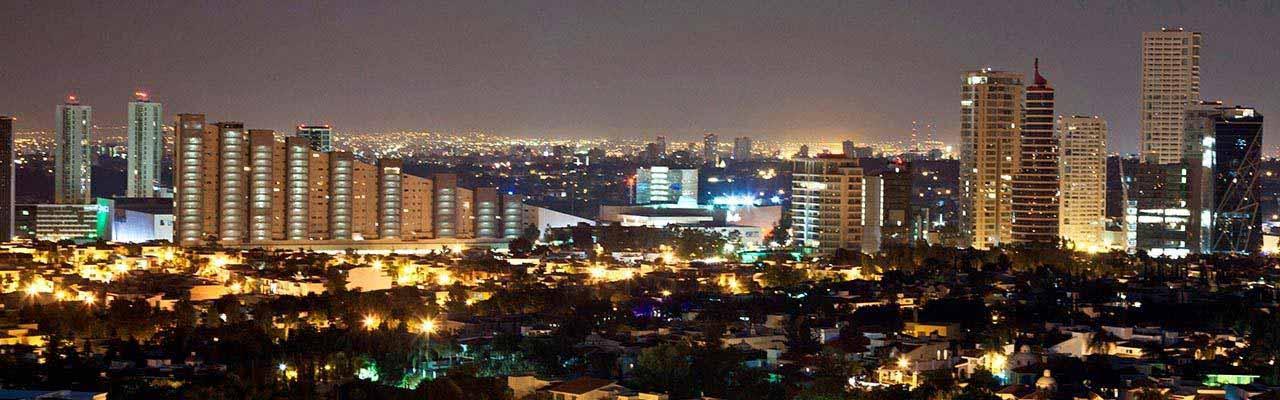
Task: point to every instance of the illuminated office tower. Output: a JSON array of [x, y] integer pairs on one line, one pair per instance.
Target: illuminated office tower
[[1035, 182], [319, 136], [233, 182], [419, 194], [1237, 226], [665, 185], [390, 198], [192, 193], [1170, 83], [446, 205], [742, 149], [262, 179], [991, 110], [827, 203], [6, 178], [1083, 184], [486, 210], [341, 195], [72, 176], [146, 146], [711, 148], [512, 216]]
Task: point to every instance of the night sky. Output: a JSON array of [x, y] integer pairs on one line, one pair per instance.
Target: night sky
[[797, 70]]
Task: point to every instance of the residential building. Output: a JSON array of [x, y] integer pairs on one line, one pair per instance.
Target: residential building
[[991, 110], [320, 137], [1083, 184], [6, 178], [1170, 83], [742, 149], [827, 203], [146, 146], [72, 176], [665, 185], [1036, 181]]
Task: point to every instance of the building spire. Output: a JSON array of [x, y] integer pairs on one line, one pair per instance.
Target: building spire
[[1039, 79]]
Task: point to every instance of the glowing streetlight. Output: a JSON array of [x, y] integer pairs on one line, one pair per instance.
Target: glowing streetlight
[[427, 326], [371, 321]]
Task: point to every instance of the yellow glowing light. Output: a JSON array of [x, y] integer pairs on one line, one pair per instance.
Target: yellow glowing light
[[87, 298], [371, 321], [598, 272], [666, 293], [236, 287], [427, 326], [377, 264], [444, 278], [903, 362]]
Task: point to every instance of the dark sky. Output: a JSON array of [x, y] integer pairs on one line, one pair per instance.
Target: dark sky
[[784, 69]]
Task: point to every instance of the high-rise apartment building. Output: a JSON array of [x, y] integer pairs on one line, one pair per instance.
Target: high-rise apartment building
[[897, 228], [742, 148], [72, 175], [319, 136], [991, 104], [1170, 83], [239, 186], [1083, 185], [711, 148], [6, 178], [146, 146], [1036, 181], [827, 203]]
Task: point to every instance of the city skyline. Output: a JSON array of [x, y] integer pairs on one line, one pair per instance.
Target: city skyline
[[562, 70]]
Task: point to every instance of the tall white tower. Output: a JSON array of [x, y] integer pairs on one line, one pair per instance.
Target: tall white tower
[[146, 146], [71, 163], [1170, 83], [1084, 173]]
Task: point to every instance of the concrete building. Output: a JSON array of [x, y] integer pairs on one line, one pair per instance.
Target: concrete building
[[991, 110], [137, 220], [72, 176], [146, 146], [1164, 218], [319, 137], [1036, 181], [192, 195], [827, 203], [1170, 83], [742, 149], [1083, 185], [872, 213], [56, 222], [6, 178], [898, 218]]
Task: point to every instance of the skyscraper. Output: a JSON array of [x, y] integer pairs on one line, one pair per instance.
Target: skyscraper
[[1035, 182], [1237, 227], [742, 148], [711, 148], [146, 146], [991, 105], [320, 136], [71, 170], [192, 193], [6, 178], [1083, 184], [1170, 83]]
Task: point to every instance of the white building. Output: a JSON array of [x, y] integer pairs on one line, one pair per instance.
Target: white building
[[1083, 184], [146, 146], [827, 203], [1170, 83], [71, 157]]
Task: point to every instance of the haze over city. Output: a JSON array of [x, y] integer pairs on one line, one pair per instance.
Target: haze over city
[[823, 70]]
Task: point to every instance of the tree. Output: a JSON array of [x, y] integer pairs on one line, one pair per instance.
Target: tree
[[665, 368], [779, 275]]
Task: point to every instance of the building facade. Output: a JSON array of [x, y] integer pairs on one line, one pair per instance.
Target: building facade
[[146, 146], [827, 203], [711, 148], [72, 175], [991, 111], [1170, 82], [1083, 185], [242, 187], [742, 148], [665, 185], [1036, 181]]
